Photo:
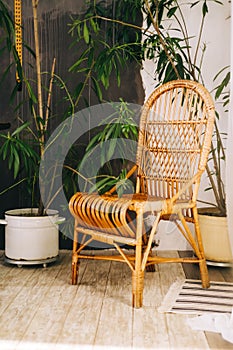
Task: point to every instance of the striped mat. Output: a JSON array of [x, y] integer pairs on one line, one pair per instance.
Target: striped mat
[[188, 297]]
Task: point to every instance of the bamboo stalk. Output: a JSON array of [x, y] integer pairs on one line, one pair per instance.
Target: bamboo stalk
[[38, 74], [39, 123], [49, 95]]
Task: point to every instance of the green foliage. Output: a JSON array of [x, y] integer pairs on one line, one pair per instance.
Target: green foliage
[[107, 46], [176, 54], [22, 149], [112, 35], [121, 124], [104, 183], [110, 136], [19, 153], [7, 41], [7, 24], [222, 90], [217, 153]]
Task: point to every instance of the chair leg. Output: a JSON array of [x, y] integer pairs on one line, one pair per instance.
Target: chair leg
[[149, 268], [138, 272], [204, 274], [202, 264], [137, 288], [75, 262], [74, 269]]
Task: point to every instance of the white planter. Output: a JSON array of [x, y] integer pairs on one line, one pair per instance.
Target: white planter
[[31, 239], [214, 231]]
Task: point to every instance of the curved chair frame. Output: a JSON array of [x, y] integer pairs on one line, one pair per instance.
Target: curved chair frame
[[175, 135]]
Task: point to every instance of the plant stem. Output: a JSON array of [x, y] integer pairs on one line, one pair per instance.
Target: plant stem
[[164, 45], [184, 30], [40, 123], [38, 73], [49, 95], [198, 41]]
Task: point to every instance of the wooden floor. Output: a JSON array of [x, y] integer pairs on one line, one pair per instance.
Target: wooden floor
[[39, 309]]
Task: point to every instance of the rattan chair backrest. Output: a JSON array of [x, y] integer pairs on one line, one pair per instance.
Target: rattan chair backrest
[[174, 139]]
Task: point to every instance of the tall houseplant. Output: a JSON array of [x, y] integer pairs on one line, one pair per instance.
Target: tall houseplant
[[25, 145], [23, 148], [175, 60], [31, 233]]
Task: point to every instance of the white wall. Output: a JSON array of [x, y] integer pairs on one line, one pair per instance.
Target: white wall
[[216, 35], [229, 170]]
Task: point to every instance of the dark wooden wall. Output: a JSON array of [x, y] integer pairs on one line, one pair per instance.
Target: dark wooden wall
[[54, 17]]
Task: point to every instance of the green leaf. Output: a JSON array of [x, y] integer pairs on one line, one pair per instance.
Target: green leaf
[[78, 89], [76, 65], [16, 162], [10, 162], [93, 142], [4, 149], [103, 184], [194, 4], [29, 49], [204, 9], [222, 85], [86, 33], [111, 148], [94, 25], [97, 89], [30, 92], [20, 128], [109, 131], [171, 11]]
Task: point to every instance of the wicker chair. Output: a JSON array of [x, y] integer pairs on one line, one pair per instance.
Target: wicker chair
[[175, 134]]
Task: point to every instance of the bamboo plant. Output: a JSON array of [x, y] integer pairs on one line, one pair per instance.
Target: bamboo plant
[[17, 148], [24, 147]]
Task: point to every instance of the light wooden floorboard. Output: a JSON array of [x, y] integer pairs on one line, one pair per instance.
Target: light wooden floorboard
[[41, 310], [83, 317], [178, 332], [116, 309]]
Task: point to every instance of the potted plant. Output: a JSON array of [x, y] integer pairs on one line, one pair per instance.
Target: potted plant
[[31, 234], [178, 58], [24, 150], [213, 217], [163, 39]]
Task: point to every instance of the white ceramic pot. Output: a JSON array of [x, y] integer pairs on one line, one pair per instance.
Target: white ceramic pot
[[31, 238], [214, 231]]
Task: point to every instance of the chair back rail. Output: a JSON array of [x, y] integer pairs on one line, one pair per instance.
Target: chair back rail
[[174, 139]]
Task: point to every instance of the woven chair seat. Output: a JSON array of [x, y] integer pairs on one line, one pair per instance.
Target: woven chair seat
[[111, 214]]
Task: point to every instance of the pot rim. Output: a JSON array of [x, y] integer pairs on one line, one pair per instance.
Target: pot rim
[[19, 211], [209, 211]]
